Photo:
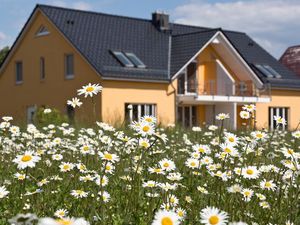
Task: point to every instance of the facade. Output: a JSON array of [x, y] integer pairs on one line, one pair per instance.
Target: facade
[[178, 73]]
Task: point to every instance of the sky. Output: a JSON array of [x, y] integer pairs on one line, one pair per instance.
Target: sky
[[274, 24]]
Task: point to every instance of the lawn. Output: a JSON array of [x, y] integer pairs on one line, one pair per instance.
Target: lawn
[[145, 174]]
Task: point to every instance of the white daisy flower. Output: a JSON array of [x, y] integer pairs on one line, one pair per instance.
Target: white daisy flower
[[90, 90], [213, 216], [74, 102], [28, 159], [164, 217]]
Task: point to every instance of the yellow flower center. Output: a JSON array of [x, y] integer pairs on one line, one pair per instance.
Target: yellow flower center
[[108, 156], [26, 158], [166, 221], [86, 148], [247, 193], [259, 135], [180, 213], [157, 170], [268, 184], [90, 89], [214, 220], [144, 144], [166, 164], [193, 164], [231, 139], [146, 128], [227, 150], [201, 150], [249, 172], [107, 167], [79, 192], [64, 222], [290, 151], [66, 167], [149, 120]]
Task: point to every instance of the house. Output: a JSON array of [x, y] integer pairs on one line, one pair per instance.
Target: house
[[175, 72], [291, 59]]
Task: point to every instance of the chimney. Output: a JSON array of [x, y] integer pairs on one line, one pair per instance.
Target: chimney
[[160, 20]]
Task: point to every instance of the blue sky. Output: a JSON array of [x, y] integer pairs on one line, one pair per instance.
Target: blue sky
[[272, 23]]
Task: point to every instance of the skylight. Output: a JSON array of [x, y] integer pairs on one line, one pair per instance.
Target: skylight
[[122, 59], [268, 71], [136, 61]]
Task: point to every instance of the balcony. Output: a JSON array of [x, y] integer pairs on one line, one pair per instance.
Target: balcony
[[191, 92]]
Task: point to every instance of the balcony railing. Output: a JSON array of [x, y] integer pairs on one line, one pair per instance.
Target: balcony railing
[[223, 88]]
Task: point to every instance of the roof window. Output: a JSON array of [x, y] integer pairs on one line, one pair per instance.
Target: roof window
[[268, 71], [136, 61], [128, 59], [122, 59]]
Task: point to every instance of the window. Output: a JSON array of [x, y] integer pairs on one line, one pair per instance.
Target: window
[[122, 59], [187, 81], [42, 68], [133, 112], [19, 72], [136, 61], [187, 115], [31, 110], [268, 71], [278, 111], [42, 31], [69, 66], [70, 113]]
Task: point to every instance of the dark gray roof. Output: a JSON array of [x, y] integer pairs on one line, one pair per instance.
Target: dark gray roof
[[95, 34]]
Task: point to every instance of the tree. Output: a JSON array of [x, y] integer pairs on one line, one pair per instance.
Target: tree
[[3, 53]]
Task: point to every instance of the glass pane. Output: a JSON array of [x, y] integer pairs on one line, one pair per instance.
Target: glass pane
[[191, 77], [19, 71], [123, 59], [69, 65], [181, 84], [137, 62], [186, 116]]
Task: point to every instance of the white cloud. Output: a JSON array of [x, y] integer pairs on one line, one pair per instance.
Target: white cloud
[[82, 6], [272, 23], [2, 36]]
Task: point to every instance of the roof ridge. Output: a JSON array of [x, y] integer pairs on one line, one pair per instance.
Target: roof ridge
[[196, 32], [93, 12]]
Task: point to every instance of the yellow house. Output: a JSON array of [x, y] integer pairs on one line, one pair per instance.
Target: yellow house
[[178, 73]]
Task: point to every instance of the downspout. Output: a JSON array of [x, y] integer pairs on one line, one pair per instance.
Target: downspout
[[169, 74]]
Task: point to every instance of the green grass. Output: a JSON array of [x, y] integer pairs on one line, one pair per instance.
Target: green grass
[[129, 201]]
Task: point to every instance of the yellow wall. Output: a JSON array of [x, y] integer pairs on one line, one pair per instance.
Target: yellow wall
[[55, 90], [290, 99]]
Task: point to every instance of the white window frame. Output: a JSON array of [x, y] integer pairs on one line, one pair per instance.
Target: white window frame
[[42, 33], [275, 111], [146, 106], [69, 76], [190, 114]]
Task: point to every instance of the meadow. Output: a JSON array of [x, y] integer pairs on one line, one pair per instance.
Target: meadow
[[146, 174]]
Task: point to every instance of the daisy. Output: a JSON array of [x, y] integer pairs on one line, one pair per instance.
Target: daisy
[[247, 193], [229, 149], [213, 216], [231, 139], [109, 156], [7, 118], [250, 172], [61, 213], [109, 168], [245, 115], [268, 185], [63, 221], [3, 192], [202, 149], [249, 108], [181, 213], [279, 120], [258, 135], [28, 159], [192, 163], [164, 217], [79, 193], [105, 196], [145, 128], [90, 90], [264, 205], [143, 142], [167, 165], [148, 119], [296, 134], [222, 116], [66, 167], [47, 111], [20, 176], [74, 102], [150, 184]]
